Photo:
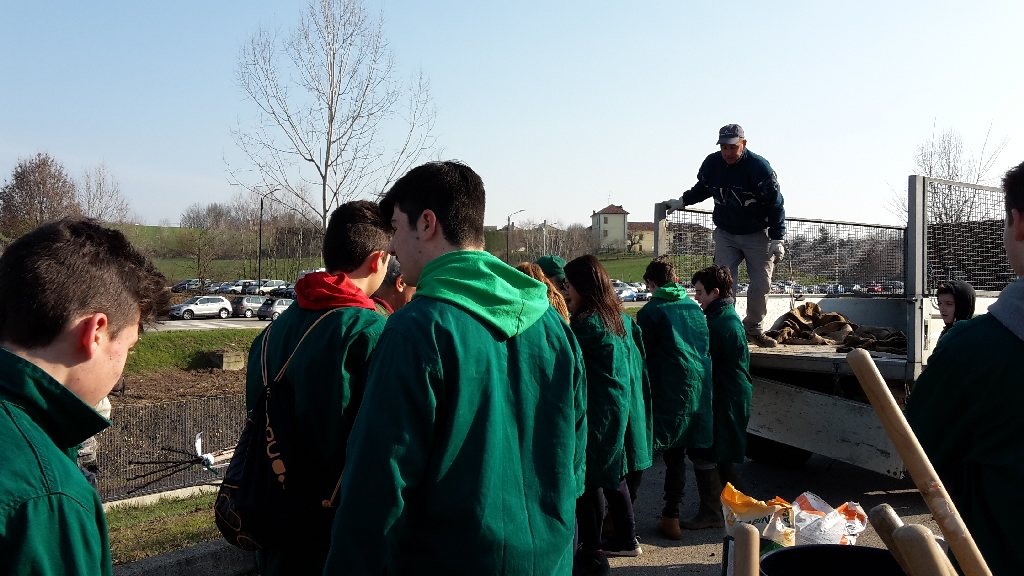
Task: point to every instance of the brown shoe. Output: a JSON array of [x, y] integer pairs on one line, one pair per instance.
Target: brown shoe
[[669, 528], [761, 339]]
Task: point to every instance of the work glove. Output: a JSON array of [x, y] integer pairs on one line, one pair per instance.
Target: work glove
[[778, 251], [673, 205]]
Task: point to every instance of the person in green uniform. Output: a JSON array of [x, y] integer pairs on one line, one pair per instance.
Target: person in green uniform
[[393, 293], [468, 452], [730, 396], [554, 296], [554, 268], [620, 436], [676, 339], [73, 296], [965, 406], [328, 371]]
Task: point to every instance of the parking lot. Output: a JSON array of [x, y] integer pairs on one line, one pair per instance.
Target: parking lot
[[204, 324]]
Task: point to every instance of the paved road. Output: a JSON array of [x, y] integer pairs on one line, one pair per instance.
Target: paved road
[[700, 552], [207, 324]]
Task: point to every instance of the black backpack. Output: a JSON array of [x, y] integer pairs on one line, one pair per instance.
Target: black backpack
[[254, 508]]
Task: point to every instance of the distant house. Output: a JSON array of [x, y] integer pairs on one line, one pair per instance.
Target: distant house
[[609, 226], [640, 237]]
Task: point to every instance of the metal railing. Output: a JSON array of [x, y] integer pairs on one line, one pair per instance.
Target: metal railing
[[163, 434], [822, 256]]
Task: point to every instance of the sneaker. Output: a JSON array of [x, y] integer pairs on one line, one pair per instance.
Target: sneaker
[[622, 548], [590, 564], [761, 339]]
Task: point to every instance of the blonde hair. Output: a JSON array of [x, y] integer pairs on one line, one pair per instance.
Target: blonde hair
[[554, 296]]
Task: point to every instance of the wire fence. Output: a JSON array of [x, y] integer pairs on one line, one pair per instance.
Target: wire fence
[[822, 256], [965, 235], [164, 434]]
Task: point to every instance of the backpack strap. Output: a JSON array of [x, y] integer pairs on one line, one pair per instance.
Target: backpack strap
[[308, 330]]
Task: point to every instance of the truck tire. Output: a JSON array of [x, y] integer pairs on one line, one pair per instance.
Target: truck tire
[[768, 451]]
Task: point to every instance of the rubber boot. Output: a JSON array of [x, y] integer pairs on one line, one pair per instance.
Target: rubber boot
[[669, 528], [727, 473], [709, 515]]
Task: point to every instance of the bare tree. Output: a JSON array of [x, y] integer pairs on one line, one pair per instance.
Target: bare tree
[[634, 239], [946, 157], [39, 191], [324, 110], [101, 199], [204, 236]]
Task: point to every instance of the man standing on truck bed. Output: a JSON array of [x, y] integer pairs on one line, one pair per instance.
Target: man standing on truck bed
[[750, 221]]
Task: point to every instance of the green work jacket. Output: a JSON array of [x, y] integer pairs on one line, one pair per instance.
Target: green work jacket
[[965, 411], [619, 423], [51, 520], [679, 363], [468, 453], [328, 377], [730, 375]]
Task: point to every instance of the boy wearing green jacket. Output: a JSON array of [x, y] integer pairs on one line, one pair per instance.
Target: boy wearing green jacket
[[73, 295], [327, 374], [965, 406], [675, 335], [468, 452], [730, 397]]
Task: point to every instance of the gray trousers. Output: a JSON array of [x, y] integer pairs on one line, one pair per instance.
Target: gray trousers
[[730, 250]]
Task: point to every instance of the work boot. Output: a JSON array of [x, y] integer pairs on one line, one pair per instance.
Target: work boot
[[709, 515], [761, 339], [727, 473], [669, 528]]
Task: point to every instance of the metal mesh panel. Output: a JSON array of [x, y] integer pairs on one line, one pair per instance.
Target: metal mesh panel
[[145, 432], [965, 235], [822, 257]]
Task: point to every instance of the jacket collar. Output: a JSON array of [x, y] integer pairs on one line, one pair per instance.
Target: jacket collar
[[58, 411], [718, 304]]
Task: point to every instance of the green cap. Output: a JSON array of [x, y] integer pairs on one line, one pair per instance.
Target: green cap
[[552, 265]]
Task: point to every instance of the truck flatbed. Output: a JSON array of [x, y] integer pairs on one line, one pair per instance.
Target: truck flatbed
[[823, 359]]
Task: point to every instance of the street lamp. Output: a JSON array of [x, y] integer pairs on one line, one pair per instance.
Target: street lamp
[[508, 232], [259, 250]]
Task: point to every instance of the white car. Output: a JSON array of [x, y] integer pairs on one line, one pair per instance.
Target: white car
[[198, 306], [237, 286]]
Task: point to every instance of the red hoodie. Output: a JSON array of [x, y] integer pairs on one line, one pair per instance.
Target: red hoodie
[[320, 291]]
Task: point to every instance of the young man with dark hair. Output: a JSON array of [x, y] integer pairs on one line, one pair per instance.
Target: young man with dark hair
[[965, 406], [730, 396], [675, 337], [393, 293], [468, 452], [73, 296], [327, 373]]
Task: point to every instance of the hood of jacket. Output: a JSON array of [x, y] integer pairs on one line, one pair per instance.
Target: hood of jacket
[[321, 290], [672, 292], [1009, 308], [718, 304], [963, 299], [485, 287]]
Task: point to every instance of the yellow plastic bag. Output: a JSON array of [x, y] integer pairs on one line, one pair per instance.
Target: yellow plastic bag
[[773, 519]]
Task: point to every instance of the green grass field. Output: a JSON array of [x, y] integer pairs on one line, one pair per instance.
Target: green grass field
[[184, 349], [137, 532]]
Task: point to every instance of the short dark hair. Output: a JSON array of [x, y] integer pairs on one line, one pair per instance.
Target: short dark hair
[[355, 230], [394, 272], [1013, 188], [660, 271], [452, 190], [73, 267], [714, 277], [590, 280]]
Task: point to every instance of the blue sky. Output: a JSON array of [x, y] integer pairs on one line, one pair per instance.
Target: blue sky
[[558, 106]]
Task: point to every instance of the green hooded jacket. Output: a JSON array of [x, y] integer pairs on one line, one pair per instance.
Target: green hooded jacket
[[730, 374], [620, 436], [965, 411], [51, 519], [468, 453], [679, 362], [328, 377]]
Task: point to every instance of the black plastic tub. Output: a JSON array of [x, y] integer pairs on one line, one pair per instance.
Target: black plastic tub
[[830, 560]]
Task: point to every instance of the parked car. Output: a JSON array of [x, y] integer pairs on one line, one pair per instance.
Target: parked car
[[264, 287], [201, 306], [246, 305], [624, 291], [286, 291], [215, 287], [273, 308], [237, 287], [642, 293]]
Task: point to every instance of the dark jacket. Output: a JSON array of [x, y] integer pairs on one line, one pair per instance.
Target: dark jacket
[[51, 519], [964, 300], [965, 411], [747, 195]]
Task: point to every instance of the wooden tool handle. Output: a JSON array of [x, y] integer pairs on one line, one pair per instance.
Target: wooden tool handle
[[918, 465], [925, 558], [885, 521], [746, 552]]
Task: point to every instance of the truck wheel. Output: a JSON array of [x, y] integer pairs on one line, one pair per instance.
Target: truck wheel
[[771, 452]]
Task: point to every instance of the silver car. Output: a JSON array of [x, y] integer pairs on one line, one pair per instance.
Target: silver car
[[199, 306]]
